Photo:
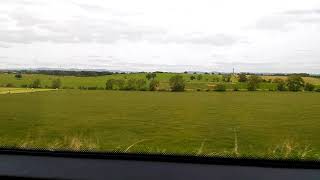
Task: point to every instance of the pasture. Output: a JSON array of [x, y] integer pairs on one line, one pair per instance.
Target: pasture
[[259, 124]]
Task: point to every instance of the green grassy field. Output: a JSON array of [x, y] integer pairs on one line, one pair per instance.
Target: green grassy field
[[260, 124], [100, 81]]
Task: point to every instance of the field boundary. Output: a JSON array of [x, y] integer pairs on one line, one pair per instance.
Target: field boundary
[[21, 90]]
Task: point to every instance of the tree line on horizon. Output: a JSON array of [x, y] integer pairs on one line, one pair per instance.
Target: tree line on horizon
[[178, 83]]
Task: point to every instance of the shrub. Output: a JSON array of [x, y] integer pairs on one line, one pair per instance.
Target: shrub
[[192, 77], [215, 78], [309, 87], [162, 89], [243, 77], [199, 77], [110, 84], [226, 78], [36, 84], [10, 85], [18, 76], [154, 85], [198, 89], [318, 90], [24, 85], [220, 87], [236, 88], [115, 84], [253, 82], [177, 83], [120, 84], [151, 76], [141, 85], [92, 88], [281, 84], [295, 83], [131, 85], [82, 88], [56, 84]]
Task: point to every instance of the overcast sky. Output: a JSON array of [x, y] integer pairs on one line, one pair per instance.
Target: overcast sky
[[165, 35]]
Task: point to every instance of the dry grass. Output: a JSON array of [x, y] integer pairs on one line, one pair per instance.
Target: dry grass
[[200, 150], [21, 90], [73, 143], [76, 143], [129, 147], [235, 150], [290, 149]]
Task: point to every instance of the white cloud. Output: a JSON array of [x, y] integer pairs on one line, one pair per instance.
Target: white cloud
[[250, 35]]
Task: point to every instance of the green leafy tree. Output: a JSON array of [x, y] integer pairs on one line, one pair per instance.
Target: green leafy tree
[[36, 84], [253, 82], [18, 76], [56, 84], [243, 77], [295, 83], [141, 85], [154, 85], [199, 77], [131, 85], [226, 78], [192, 77], [120, 84], [309, 87], [177, 83], [215, 78], [110, 84], [151, 76], [281, 84]]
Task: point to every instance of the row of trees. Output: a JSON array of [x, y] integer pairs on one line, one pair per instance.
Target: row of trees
[[225, 78], [55, 84], [132, 84], [178, 83], [293, 83]]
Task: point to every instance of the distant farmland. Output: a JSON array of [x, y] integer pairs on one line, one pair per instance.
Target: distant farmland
[[206, 81], [259, 124]]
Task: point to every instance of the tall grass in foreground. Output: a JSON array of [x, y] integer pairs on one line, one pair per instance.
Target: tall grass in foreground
[[288, 149]]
